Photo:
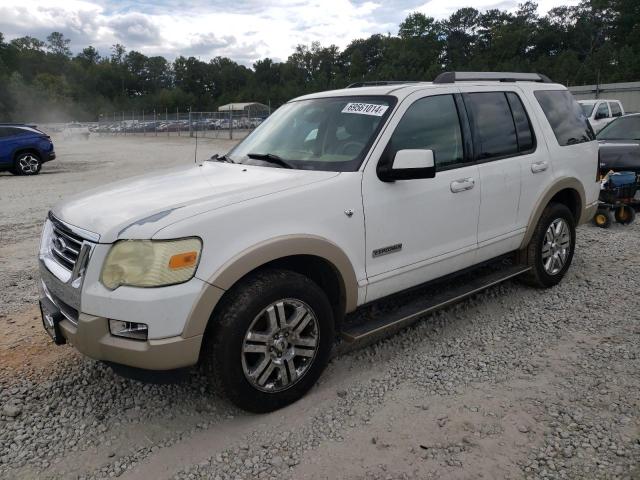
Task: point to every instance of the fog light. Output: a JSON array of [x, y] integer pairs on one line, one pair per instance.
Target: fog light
[[137, 331]]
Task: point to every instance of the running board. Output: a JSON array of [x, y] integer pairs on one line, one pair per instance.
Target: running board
[[374, 324]]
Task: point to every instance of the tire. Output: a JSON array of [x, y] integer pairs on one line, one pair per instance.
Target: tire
[[27, 163], [625, 215], [603, 218], [260, 362], [548, 267]]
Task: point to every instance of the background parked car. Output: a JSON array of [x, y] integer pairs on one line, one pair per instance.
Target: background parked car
[[76, 130], [600, 112], [24, 148], [620, 145]]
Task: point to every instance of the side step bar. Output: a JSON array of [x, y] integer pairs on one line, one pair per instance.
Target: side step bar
[[436, 297]]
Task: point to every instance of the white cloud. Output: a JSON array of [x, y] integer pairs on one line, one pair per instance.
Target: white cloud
[[272, 29], [244, 31]]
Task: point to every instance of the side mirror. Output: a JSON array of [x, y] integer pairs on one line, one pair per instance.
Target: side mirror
[[600, 115], [409, 165]]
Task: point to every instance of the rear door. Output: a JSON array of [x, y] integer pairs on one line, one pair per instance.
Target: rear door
[[513, 168], [601, 116]]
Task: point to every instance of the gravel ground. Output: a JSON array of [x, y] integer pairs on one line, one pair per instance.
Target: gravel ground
[[513, 383]]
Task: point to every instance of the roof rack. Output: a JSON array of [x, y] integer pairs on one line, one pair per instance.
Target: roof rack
[[376, 83], [452, 77]]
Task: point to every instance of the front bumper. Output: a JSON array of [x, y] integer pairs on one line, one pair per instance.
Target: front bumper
[[91, 337], [90, 334], [51, 156]]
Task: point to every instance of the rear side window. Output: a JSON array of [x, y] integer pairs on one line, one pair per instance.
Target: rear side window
[[494, 130], [616, 111], [524, 132], [565, 116]]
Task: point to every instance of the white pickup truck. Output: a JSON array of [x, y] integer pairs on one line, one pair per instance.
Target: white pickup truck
[[254, 261], [601, 112]]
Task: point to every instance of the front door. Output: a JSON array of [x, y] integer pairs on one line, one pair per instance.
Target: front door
[[417, 230], [601, 116]]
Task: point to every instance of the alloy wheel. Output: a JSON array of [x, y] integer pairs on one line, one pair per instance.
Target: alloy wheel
[[280, 345], [28, 164], [556, 246]]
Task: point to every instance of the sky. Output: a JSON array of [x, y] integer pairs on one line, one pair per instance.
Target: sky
[[243, 30]]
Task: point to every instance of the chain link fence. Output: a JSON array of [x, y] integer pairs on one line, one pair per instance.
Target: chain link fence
[[230, 124]]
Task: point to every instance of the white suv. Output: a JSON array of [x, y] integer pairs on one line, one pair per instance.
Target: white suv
[[255, 260]]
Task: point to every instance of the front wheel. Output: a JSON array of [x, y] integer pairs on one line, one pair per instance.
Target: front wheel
[[551, 248], [27, 164], [603, 218], [271, 339]]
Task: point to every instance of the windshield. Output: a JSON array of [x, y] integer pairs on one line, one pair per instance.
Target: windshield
[[623, 128], [331, 134], [587, 108]]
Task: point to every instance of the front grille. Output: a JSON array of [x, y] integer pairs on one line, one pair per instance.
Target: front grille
[[65, 247], [66, 310]]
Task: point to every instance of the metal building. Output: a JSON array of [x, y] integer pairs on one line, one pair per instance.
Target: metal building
[[628, 93], [249, 109]]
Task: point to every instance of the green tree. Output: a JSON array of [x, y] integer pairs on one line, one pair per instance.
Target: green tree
[[58, 45]]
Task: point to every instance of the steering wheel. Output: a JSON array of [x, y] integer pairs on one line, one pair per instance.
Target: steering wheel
[[344, 150]]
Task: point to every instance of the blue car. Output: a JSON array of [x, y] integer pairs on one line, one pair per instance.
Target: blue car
[[24, 148]]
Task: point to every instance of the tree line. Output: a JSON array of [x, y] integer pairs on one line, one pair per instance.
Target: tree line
[[597, 41]]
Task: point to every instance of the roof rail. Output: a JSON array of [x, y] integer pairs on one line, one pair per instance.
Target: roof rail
[[452, 77], [376, 83]]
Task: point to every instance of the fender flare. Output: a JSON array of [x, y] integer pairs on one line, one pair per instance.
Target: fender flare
[[261, 254], [567, 183]]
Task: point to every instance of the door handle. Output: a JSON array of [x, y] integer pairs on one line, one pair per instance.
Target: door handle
[[462, 185], [538, 167]]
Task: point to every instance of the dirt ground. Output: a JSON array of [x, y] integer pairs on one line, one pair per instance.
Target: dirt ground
[[514, 383]]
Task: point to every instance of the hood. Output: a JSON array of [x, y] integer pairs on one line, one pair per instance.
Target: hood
[[619, 155], [140, 206]]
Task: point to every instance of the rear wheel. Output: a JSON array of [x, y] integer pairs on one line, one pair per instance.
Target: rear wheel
[[551, 248], [625, 215], [27, 163], [603, 218], [271, 339]]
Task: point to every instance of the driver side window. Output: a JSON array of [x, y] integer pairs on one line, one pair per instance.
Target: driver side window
[[431, 123]]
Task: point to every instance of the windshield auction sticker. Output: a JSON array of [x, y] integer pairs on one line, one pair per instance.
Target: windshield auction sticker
[[365, 109]]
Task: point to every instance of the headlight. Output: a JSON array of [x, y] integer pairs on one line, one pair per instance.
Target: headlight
[[151, 263]]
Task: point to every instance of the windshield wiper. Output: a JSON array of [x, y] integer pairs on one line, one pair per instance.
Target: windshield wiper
[[270, 158], [221, 158]]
